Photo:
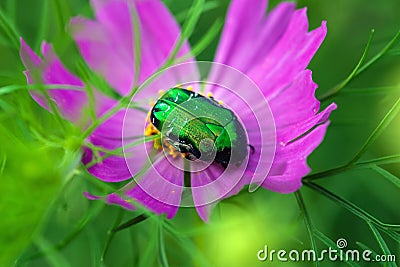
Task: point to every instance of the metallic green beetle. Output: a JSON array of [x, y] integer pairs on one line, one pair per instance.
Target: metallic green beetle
[[200, 127]]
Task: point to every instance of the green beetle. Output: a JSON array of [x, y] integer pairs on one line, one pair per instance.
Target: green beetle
[[199, 127]]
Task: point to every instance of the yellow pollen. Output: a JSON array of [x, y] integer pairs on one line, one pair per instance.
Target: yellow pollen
[[190, 88], [160, 93], [157, 144], [210, 95]]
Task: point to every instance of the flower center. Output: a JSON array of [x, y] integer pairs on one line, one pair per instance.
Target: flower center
[[159, 144]]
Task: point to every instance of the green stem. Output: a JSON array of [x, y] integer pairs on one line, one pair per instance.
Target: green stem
[[361, 68], [130, 223], [111, 234], [335, 90], [162, 255], [378, 131], [351, 207], [392, 113], [307, 221]]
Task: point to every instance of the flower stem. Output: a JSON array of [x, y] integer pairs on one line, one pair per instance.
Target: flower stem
[[365, 216], [361, 68], [335, 90], [130, 223], [111, 234], [378, 130], [307, 221], [162, 255], [354, 162]]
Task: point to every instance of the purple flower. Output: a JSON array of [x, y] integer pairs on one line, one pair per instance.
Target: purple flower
[[273, 51]]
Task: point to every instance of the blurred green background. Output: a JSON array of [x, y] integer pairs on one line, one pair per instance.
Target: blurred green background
[[36, 201]]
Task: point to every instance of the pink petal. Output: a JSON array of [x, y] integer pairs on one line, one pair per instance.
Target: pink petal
[[296, 102], [243, 48], [242, 14], [289, 132], [110, 135], [212, 185], [108, 43], [290, 164], [28, 57], [50, 71], [290, 55], [117, 200], [160, 189], [102, 54]]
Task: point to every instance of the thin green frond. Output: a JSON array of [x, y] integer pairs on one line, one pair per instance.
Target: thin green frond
[[335, 90], [44, 24], [193, 16], [382, 244], [9, 31], [111, 234], [365, 247], [390, 177], [136, 46], [209, 5], [54, 257], [131, 222], [330, 243], [382, 160], [371, 91], [362, 214], [378, 131], [204, 42], [78, 228], [307, 222], [162, 255]]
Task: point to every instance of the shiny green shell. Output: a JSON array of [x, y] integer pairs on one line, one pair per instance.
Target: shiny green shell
[[200, 127]]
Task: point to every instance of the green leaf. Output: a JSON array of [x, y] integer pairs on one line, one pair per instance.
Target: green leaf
[[360, 68], [382, 244], [382, 160], [204, 42], [7, 29], [335, 90], [44, 24], [207, 6], [329, 242], [307, 221], [372, 90], [78, 228], [111, 234], [192, 18], [62, 13], [29, 182], [351, 207], [54, 257], [390, 177], [162, 256], [394, 110], [130, 223], [365, 247]]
